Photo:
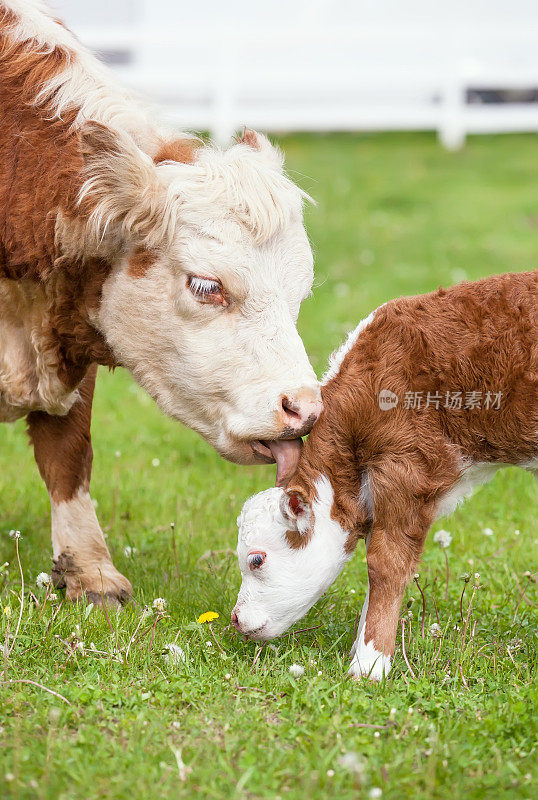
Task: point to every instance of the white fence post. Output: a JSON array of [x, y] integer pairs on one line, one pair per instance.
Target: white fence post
[[223, 111], [452, 128]]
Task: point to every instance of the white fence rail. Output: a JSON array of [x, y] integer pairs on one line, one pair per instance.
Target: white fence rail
[[330, 66]]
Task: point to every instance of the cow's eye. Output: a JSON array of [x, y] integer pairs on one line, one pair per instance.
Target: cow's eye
[[255, 560], [207, 290]]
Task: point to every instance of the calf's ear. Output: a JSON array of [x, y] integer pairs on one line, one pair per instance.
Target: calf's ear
[[294, 506], [122, 193]]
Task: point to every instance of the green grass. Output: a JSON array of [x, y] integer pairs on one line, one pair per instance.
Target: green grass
[[395, 215]]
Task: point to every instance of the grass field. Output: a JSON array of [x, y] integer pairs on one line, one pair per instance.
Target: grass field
[[395, 215]]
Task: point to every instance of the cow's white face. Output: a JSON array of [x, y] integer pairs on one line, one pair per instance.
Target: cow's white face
[[204, 314], [282, 578]]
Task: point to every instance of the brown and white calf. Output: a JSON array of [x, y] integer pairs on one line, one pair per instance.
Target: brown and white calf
[[121, 245], [428, 397]]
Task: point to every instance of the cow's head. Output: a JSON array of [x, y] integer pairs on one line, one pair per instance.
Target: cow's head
[[290, 550], [202, 306]]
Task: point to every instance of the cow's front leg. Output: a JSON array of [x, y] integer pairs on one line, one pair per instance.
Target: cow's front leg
[[63, 452], [391, 561]]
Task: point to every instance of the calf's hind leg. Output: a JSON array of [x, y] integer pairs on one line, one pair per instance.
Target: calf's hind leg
[[63, 452]]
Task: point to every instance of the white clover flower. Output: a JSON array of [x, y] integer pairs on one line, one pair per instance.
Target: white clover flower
[[296, 670], [487, 531], [330, 773], [42, 580], [129, 551], [436, 630], [442, 538], [53, 596], [375, 792], [159, 604], [175, 655], [155, 462]]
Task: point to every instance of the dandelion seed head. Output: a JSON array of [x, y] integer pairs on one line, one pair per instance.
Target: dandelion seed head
[[436, 630], [159, 604], [175, 655], [296, 670], [155, 462], [13, 534], [487, 531], [352, 762], [375, 792], [442, 538], [330, 773]]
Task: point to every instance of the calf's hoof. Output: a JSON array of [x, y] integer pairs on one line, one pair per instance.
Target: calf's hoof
[[99, 583], [371, 668]]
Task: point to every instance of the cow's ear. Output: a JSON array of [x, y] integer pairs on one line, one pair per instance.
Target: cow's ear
[[294, 506], [250, 138], [122, 193]]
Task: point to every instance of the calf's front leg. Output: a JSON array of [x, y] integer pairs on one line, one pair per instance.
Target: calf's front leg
[[391, 559], [63, 452]]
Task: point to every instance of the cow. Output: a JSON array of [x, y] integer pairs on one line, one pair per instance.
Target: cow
[[123, 244], [428, 397]]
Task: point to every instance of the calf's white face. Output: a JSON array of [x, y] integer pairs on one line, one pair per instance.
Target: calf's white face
[[208, 324], [280, 583]]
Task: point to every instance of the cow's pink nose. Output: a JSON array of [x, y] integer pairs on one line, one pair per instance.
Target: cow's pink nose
[[299, 413]]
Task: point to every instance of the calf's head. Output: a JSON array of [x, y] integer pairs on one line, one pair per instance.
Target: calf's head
[[290, 550], [202, 304]]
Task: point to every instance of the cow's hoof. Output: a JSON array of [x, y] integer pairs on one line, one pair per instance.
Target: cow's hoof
[[98, 583]]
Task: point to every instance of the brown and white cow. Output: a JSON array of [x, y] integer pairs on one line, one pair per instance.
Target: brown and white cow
[[122, 245], [428, 397]]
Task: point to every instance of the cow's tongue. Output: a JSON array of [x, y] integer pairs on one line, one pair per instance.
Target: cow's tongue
[[286, 454]]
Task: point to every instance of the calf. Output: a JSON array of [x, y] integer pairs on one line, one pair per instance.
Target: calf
[[428, 397]]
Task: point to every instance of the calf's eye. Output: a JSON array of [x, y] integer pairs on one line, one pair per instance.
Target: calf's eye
[[207, 290], [256, 559]]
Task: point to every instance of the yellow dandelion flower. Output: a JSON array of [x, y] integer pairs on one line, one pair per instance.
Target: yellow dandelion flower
[[7, 611], [208, 616]]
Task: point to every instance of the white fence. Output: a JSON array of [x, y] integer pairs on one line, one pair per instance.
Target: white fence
[[320, 65]]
